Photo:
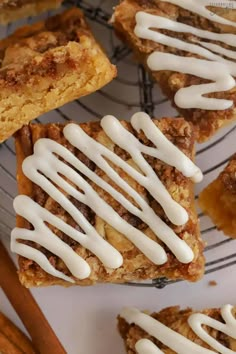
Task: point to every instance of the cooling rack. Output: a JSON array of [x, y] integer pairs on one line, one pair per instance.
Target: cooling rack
[[131, 91]]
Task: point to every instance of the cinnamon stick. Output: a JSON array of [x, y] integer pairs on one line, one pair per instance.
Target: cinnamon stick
[[43, 337], [12, 340]]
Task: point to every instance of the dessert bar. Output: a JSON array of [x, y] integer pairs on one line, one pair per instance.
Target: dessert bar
[[179, 331], [190, 51], [218, 199], [45, 65], [107, 201], [12, 10]]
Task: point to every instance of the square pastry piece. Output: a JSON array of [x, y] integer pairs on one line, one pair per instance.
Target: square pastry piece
[[45, 65], [11, 10], [218, 200], [190, 50], [107, 201], [179, 331]]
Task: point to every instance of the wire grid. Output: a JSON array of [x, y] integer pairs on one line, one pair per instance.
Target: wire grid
[[131, 91]]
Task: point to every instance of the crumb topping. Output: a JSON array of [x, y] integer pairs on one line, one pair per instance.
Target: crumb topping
[[228, 176], [41, 49], [12, 4]]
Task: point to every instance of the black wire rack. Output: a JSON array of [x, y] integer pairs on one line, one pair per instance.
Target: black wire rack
[[131, 91]]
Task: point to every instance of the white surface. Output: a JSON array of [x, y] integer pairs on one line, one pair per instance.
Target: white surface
[[85, 318]]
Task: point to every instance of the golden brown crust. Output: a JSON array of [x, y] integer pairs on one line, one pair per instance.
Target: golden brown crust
[[218, 200], [175, 319], [205, 122], [46, 65], [12, 10], [12, 340], [136, 266]]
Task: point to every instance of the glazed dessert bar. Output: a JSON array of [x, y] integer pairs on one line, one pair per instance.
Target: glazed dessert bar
[[107, 201], [12, 340], [218, 200], [12, 10], [45, 65], [190, 51], [179, 331]]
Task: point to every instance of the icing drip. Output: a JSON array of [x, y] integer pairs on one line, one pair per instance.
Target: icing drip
[[216, 68], [178, 342], [44, 167], [147, 347]]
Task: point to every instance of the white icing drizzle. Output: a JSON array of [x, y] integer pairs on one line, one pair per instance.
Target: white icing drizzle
[[216, 68], [191, 97], [178, 342], [199, 7], [45, 169]]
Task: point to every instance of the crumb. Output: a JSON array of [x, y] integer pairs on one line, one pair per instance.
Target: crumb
[[212, 283]]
